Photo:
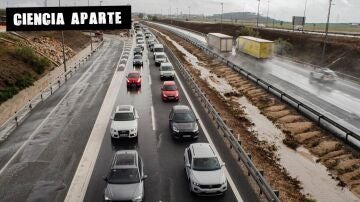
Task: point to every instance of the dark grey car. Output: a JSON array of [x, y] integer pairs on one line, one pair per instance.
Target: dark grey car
[[125, 181], [183, 122]]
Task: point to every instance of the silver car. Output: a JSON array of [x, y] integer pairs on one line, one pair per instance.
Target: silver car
[[125, 181], [204, 171]]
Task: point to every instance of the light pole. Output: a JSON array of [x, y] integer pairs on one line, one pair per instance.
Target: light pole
[[63, 46], [189, 13], [267, 15], [326, 32], [101, 2], [257, 19], [305, 8], [177, 13], [91, 45], [222, 9]]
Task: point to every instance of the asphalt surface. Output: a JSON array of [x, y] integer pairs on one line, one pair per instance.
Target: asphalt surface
[[340, 101], [55, 133], [162, 156]]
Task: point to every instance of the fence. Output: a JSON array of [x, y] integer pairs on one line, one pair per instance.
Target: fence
[[265, 188], [15, 120], [324, 121]]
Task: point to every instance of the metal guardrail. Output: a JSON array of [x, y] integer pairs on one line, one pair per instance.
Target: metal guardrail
[[322, 120], [19, 116], [265, 188]]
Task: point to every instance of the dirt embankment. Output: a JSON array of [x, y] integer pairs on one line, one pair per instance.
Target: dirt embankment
[[262, 154], [27, 56], [342, 162], [308, 48]]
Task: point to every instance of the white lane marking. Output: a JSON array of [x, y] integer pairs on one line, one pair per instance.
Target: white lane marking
[[81, 179], [150, 80], [228, 177], [48, 116], [153, 118]]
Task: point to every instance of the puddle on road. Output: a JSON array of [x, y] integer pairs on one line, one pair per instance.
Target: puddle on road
[[300, 164]]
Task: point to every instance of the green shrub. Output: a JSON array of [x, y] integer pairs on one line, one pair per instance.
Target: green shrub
[[27, 55], [24, 81], [283, 47], [8, 93], [248, 31]]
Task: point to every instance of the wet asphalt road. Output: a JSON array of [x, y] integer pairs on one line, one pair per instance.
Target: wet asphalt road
[[163, 157], [340, 101], [59, 127]]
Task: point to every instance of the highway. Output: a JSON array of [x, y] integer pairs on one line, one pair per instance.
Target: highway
[[38, 159], [163, 157], [340, 101]]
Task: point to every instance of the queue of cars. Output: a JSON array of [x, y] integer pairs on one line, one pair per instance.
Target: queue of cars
[[125, 180]]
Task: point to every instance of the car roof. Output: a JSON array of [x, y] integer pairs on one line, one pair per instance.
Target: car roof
[[181, 108], [158, 45], [202, 150], [166, 64], [169, 83], [160, 53], [125, 159], [124, 108]]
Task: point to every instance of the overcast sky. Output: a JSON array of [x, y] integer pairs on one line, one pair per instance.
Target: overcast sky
[[342, 10]]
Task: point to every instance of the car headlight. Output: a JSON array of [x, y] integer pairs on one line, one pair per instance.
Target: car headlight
[[133, 129], [175, 129], [196, 128], [194, 183], [137, 199], [107, 198], [164, 95]]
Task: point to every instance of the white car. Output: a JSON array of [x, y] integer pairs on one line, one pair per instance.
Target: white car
[[324, 75], [204, 171], [160, 57], [167, 71], [124, 122]]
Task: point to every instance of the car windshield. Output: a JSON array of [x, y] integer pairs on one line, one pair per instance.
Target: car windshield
[[170, 87], [166, 68], [138, 57], [125, 116], [124, 176], [206, 164], [159, 49], [137, 49], [133, 75], [184, 117], [160, 56]]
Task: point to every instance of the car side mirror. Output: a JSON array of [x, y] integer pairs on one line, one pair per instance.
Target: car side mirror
[[162, 88], [144, 177], [112, 117], [222, 164], [106, 179], [136, 116], [188, 165]]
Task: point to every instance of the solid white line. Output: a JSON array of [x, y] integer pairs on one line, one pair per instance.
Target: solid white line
[[228, 177], [150, 80], [48, 116], [81, 179], [153, 118]]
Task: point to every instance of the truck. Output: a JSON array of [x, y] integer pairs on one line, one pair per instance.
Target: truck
[[256, 47], [221, 42]]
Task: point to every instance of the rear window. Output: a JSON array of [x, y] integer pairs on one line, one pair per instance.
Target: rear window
[[133, 75], [184, 117], [138, 57]]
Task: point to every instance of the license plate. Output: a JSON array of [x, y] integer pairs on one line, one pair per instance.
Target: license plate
[[170, 98], [186, 135], [123, 135]]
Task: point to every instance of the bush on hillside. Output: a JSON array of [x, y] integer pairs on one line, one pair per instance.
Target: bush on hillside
[[38, 63]]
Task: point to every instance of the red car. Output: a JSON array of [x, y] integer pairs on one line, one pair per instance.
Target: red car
[[169, 91], [133, 79]]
